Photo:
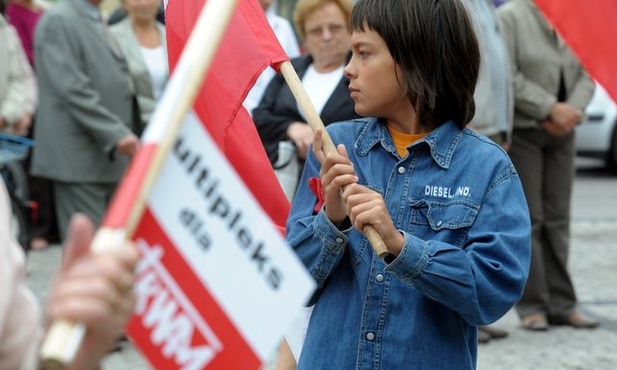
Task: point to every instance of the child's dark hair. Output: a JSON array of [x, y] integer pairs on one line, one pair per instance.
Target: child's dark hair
[[435, 44]]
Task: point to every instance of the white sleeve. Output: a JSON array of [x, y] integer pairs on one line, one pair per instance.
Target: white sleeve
[[19, 312]]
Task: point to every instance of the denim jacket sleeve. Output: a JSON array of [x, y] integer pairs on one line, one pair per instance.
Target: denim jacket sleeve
[[317, 241], [489, 272]]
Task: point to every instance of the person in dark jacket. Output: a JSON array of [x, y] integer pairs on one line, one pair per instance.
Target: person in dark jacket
[[323, 26]]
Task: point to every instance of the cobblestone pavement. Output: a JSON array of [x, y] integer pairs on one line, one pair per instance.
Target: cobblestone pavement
[[593, 267]]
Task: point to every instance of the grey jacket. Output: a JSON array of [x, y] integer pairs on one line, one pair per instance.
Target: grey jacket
[[125, 36], [493, 96], [85, 102], [538, 56], [18, 93]]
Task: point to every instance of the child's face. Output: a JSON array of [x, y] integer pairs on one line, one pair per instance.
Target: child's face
[[372, 75]]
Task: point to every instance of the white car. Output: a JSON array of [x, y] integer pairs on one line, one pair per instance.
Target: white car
[[596, 136]]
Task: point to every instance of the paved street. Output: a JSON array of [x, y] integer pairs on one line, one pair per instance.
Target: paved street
[[593, 262], [594, 270]]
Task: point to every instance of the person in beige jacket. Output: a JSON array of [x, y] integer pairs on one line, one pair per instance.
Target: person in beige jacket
[[18, 92], [92, 289], [142, 40], [551, 91]]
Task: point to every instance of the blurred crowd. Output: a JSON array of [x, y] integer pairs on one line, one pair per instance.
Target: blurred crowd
[[103, 101], [84, 86], [83, 90]]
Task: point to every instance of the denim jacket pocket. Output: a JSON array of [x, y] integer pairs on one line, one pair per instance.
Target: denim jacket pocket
[[443, 221]]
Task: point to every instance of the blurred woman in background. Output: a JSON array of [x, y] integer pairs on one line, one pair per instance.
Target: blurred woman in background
[[323, 26], [24, 15], [142, 40], [18, 93]]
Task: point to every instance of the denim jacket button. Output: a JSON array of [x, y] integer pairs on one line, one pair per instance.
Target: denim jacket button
[[338, 240], [401, 170], [379, 278], [370, 336], [439, 223]]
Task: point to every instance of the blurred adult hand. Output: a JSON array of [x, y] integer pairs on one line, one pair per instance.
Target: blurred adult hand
[[555, 129], [128, 145], [302, 136], [22, 126], [2, 123], [565, 115], [94, 289]]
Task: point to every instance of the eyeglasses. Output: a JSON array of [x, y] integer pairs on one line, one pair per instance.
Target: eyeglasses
[[319, 31]]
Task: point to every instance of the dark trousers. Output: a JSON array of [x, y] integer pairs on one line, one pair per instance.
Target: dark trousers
[[90, 199], [43, 224], [545, 164]]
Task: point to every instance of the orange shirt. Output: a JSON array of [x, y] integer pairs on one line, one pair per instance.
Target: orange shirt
[[402, 141]]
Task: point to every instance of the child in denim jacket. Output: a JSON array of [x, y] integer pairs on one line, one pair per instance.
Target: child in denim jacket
[[446, 202]]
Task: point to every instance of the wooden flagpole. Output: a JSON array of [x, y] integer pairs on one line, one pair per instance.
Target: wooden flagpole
[[64, 338], [313, 119]]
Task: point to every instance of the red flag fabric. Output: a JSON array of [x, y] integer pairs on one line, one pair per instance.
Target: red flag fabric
[[216, 285], [589, 28], [248, 47]]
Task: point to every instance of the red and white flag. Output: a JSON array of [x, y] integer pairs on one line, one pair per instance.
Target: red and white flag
[[216, 286], [248, 47], [589, 28]]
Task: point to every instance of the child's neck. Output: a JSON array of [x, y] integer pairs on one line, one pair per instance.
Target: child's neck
[[411, 126]]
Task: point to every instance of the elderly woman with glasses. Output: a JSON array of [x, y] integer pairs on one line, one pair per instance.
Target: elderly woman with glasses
[[323, 26]]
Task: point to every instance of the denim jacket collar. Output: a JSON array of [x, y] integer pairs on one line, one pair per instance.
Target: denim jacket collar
[[442, 141]]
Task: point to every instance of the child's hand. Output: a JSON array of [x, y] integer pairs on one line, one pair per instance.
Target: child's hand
[[336, 172], [367, 207]]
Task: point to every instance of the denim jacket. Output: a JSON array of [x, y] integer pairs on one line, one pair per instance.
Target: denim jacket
[[459, 203]]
